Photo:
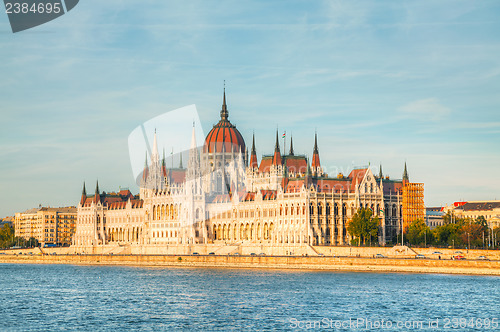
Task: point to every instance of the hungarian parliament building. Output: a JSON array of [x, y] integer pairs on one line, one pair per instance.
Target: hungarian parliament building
[[226, 197]]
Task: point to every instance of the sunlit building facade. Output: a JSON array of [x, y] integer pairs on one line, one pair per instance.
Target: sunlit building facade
[[224, 195]]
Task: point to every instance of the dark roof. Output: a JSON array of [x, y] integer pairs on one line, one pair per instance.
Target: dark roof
[[480, 206]]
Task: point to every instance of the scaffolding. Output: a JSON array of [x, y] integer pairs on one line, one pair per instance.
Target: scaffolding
[[413, 203]]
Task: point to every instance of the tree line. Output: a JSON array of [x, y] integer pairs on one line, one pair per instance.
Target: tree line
[[8, 240], [455, 232]]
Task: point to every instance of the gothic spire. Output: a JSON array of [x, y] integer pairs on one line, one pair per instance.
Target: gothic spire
[[253, 144], [180, 161], [380, 174], [253, 156], [405, 174], [84, 195], [224, 114], [154, 155], [315, 159], [97, 188], [277, 145], [315, 143], [291, 146], [277, 155]]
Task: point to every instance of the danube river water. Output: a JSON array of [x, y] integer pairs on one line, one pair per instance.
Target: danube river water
[[67, 297]]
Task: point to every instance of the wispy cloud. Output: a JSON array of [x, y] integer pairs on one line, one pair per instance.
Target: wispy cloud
[[429, 109]]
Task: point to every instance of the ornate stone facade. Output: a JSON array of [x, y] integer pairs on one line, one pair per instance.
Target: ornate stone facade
[[225, 197]]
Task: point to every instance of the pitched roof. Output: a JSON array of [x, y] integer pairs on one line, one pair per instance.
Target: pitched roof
[[357, 174], [481, 206]]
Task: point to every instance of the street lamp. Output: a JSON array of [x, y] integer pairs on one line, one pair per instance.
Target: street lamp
[[468, 241]]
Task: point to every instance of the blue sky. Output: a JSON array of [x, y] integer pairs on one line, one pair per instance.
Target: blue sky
[[381, 82]]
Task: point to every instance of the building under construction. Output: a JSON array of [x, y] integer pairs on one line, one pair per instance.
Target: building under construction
[[413, 201]]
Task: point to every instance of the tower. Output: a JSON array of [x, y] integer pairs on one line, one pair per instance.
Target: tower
[[277, 154], [315, 164], [253, 156]]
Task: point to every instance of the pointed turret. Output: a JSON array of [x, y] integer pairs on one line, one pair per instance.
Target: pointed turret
[[97, 197], [224, 113], [406, 178], [253, 156], [380, 174], [84, 195], [194, 158], [315, 159], [154, 155], [277, 155], [180, 161], [291, 146]]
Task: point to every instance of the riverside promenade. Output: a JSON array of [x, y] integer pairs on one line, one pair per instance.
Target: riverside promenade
[[319, 262]]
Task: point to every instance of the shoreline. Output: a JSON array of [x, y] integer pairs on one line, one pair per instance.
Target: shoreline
[[305, 263]]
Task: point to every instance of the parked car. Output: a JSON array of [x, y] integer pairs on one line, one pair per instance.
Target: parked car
[[195, 253], [252, 254], [483, 258], [211, 253], [458, 257], [458, 252], [420, 256], [236, 254], [321, 254], [380, 256], [262, 254], [437, 253]]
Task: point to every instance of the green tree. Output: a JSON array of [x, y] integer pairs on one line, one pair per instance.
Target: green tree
[[364, 225], [472, 234], [496, 236], [419, 233], [6, 236], [482, 221], [448, 234], [32, 242]]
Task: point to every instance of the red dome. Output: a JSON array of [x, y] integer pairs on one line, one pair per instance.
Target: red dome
[[224, 135]]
